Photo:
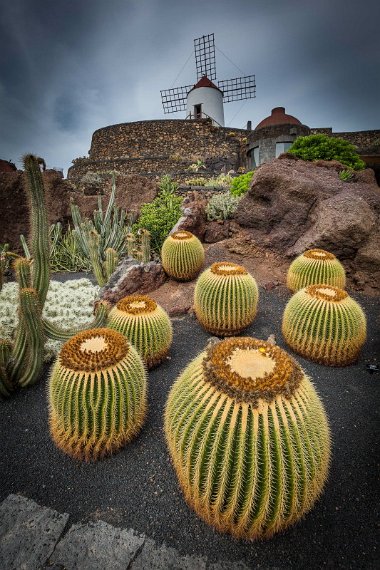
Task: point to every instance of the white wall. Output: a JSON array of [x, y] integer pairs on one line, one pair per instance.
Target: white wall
[[211, 100]]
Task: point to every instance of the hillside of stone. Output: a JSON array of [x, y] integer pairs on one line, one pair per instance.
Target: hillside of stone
[[295, 205]]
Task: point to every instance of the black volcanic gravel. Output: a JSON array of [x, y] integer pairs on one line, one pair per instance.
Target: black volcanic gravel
[[137, 488]]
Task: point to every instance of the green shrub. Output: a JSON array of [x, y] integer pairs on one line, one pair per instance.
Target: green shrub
[[221, 181], [323, 147], [221, 206], [65, 254], [241, 184], [198, 181], [346, 175], [159, 216]]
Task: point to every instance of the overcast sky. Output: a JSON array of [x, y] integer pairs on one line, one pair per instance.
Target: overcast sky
[[69, 67]]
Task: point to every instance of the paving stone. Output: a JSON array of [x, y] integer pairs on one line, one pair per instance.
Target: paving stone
[[28, 533], [155, 557], [97, 546]]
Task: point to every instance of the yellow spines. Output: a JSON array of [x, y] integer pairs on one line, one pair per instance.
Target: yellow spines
[[225, 298], [182, 255], [97, 394], [323, 323], [315, 266], [146, 325], [248, 437]]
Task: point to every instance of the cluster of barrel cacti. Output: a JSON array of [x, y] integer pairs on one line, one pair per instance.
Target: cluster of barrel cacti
[[321, 321]]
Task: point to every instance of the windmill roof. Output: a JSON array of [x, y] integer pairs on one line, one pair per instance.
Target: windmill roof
[[205, 82], [278, 117]]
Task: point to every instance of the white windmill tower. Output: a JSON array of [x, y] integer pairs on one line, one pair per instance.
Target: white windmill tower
[[205, 99]]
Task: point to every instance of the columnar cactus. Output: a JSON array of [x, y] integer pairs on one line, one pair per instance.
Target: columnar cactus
[[323, 323], [182, 255], [225, 298], [315, 266], [145, 324], [97, 394], [248, 437]]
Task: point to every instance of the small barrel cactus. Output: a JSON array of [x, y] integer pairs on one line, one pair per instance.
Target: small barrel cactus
[[182, 255], [225, 298], [323, 323], [145, 324], [248, 437], [97, 394], [315, 266]]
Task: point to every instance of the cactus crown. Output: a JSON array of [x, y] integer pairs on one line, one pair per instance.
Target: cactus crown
[[247, 370], [326, 293], [225, 268], [182, 235], [137, 305], [93, 350], [319, 254]]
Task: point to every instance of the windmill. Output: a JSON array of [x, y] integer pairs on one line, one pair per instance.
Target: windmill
[[205, 99]]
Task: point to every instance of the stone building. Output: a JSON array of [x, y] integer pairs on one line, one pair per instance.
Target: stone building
[[154, 148]]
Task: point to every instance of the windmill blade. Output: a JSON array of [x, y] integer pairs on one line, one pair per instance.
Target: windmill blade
[[204, 48], [174, 99], [238, 88]]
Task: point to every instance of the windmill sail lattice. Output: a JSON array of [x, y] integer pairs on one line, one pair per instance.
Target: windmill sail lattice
[[236, 89]]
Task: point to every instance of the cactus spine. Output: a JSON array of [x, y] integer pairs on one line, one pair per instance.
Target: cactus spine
[[248, 437], [225, 298], [97, 394], [182, 255], [323, 323], [315, 266], [145, 324]]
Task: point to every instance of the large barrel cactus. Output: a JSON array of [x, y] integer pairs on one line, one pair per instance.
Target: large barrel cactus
[[182, 255], [323, 323], [315, 266], [248, 437], [225, 298], [97, 394], [145, 324]]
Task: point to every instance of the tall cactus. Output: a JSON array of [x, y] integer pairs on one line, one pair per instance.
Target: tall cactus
[[249, 438], [21, 362], [325, 324]]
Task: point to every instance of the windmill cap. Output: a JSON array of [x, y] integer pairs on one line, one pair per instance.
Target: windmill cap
[[205, 82], [278, 117]]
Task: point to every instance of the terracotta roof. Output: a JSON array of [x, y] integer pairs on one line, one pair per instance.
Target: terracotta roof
[[278, 117], [205, 82]]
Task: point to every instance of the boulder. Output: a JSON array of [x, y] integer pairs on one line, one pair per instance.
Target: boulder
[[294, 205], [194, 218], [131, 276], [217, 231]]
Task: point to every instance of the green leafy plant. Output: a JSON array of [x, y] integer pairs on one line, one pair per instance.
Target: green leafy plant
[[346, 175], [222, 206], [196, 166], [323, 147], [198, 181], [241, 184], [159, 216], [220, 181]]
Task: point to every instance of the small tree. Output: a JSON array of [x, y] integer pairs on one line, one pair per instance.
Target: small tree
[[323, 147]]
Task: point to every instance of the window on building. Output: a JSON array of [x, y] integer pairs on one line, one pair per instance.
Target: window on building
[[282, 147]]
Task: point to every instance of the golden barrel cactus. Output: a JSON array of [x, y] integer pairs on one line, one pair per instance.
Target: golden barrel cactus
[[315, 266], [225, 298], [145, 324], [323, 323], [248, 437], [182, 255], [97, 394]]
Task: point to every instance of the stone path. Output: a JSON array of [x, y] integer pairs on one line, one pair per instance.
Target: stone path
[[36, 538]]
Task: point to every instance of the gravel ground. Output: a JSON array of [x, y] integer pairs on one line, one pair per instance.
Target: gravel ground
[[137, 488]]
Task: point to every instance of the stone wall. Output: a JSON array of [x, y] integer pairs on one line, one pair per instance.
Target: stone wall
[[367, 142], [153, 148]]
